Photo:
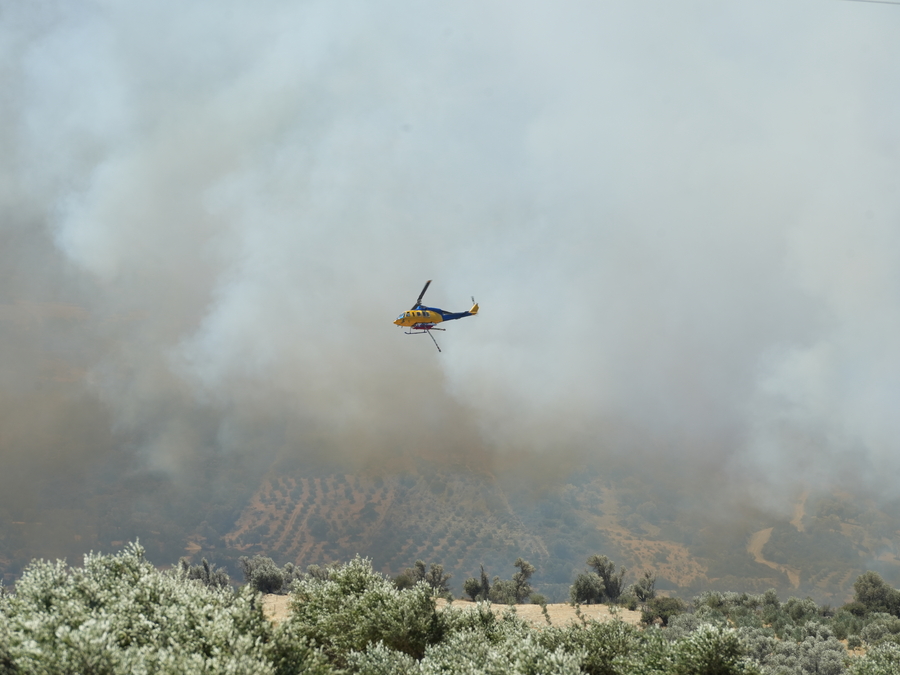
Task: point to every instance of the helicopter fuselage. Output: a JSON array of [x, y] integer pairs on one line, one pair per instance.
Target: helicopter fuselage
[[423, 318]]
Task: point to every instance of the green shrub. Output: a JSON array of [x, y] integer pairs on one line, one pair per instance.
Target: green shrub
[[205, 573], [602, 647], [503, 592], [262, 574], [711, 650], [586, 589], [119, 614], [466, 652], [356, 607], [661, 608], [880, 660]]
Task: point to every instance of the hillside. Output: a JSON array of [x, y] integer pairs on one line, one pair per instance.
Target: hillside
[[461, 515], [463, 520]]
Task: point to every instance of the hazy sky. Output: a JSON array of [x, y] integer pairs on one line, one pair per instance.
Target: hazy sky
[[681, 220]]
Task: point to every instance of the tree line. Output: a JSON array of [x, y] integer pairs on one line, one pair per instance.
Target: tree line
[[119, 614]]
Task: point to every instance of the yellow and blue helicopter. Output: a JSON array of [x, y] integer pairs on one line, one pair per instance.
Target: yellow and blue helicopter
[[421, 319]]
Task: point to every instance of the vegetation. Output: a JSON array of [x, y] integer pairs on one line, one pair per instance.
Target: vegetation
[[606, 569], [504, 591], [434, 576], [205, 573], [119, 614], [587, 589], [263, 575], [603, 583], [232, 505]]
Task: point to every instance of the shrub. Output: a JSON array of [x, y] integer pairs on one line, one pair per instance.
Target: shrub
[[880, 660], [601, 648], [814, 651], [119, 614], [586, 589], [262, 574], [356, 607], [434, 576], [644, 589], [711, 650], [613, 584], [872, 592], [472, 588], [503, 592], [467, 652], [662, 609], [205, 573]]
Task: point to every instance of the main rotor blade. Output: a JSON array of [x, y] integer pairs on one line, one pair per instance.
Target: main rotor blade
[[419, 301]]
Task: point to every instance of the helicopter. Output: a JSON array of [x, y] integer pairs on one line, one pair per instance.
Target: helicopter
[[421, 319]]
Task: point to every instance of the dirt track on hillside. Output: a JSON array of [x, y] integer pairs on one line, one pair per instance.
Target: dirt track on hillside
[[276, 608], [755, 547]]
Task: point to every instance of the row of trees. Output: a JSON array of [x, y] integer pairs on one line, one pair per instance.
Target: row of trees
[[264, 575], [118, 614], [601, 582], [503, 591]]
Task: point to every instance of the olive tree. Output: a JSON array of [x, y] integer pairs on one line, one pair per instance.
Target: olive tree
[[521, 579], [613, 583], [205, 573], [586, 589], [118, 614]]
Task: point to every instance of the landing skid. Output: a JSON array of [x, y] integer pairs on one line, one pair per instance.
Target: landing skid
[[426, 330]]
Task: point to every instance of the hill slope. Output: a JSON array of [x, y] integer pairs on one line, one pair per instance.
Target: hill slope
[[463, 519]]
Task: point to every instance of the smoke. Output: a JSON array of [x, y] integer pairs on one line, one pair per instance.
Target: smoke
[[680, 222]]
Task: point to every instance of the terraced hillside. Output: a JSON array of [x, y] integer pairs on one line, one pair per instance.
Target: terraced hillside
[[463, 519], [460, 520]]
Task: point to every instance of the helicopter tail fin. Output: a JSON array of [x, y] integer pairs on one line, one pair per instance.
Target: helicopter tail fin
[[474, 309]]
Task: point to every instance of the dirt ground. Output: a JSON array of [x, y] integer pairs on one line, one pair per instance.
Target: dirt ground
[[276, 608]]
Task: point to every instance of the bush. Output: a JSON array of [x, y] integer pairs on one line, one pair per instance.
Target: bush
[[205, 573], [602, 648], [880, 626], [503, 592], [587, 589], [662, 609], [472, 588], [356, 607], [872, 592], [262, 574], [814, 651], [711, 650], [613, 584], [880, 660], [644, 590], [467, 652], [434, 576], [119, 614]]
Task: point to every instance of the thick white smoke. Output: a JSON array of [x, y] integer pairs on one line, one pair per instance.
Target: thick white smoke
[[681, 222]]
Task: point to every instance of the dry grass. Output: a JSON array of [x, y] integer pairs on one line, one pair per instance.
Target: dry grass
[[277, 608]]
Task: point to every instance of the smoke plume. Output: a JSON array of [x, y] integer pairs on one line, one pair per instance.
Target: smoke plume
[[680, 221]]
